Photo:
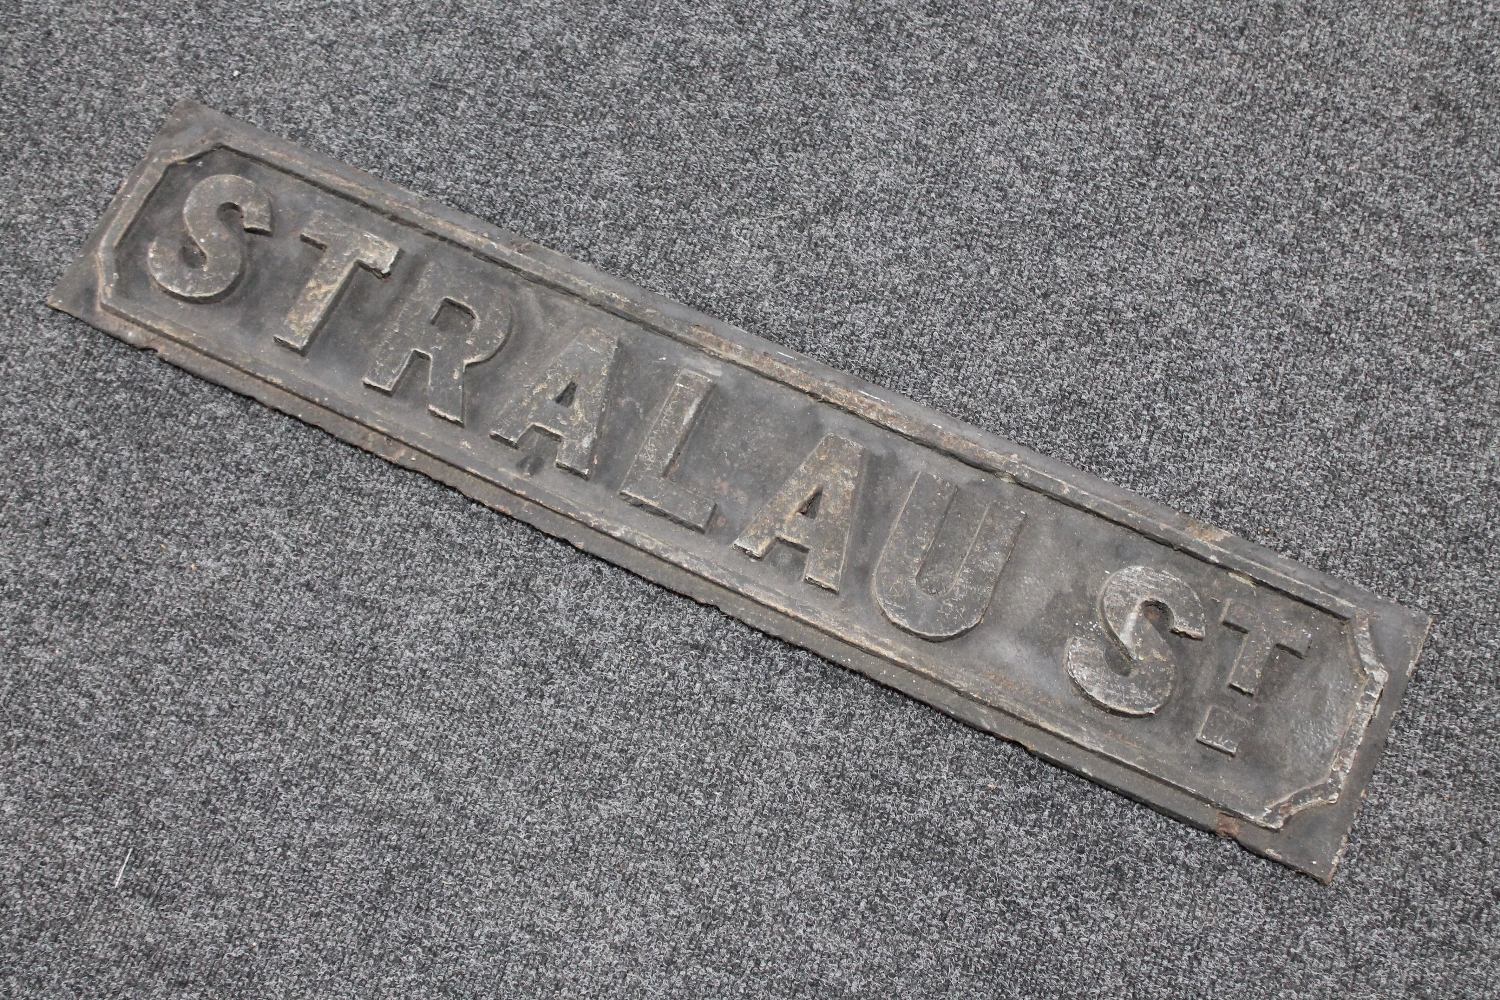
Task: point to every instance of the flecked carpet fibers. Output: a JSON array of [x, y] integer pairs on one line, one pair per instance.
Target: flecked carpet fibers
[[283, 720]]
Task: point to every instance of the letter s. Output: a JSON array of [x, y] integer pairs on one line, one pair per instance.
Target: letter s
[[224, 257], [1147, 683]]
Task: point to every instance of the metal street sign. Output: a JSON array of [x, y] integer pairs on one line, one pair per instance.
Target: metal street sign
[[1188, 669]]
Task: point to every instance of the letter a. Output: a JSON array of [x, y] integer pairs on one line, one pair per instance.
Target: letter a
[[567, 403], [814, 511]]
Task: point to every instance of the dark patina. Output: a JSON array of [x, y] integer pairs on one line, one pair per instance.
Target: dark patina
[[1194, 671]]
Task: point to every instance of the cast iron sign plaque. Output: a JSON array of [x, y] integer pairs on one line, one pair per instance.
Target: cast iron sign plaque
[[1186, 668]]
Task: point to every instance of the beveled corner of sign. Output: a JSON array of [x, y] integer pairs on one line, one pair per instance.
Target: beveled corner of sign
[[1329, 789]]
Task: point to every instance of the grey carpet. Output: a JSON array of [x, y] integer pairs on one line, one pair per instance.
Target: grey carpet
[[281, 719]]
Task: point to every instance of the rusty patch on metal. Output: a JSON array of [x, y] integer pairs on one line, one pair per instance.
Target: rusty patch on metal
[[1193, 671]]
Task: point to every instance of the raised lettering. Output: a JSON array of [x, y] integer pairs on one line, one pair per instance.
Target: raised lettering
[[942, 612], [813, 511], [1265, 632], [647, 483], [1146, 683], [567, 403], [454, 322], [223, 255], [1222, 730], [344, 249]]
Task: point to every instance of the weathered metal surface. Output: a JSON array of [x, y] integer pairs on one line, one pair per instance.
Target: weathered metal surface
[[1191, 670]]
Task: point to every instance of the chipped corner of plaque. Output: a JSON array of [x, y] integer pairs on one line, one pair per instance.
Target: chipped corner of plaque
[[187, 108], [190, 115], [76, 291], [1421, 630], [1324, 872]]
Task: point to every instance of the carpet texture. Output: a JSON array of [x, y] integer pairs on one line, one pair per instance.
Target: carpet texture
[[283, 720]]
